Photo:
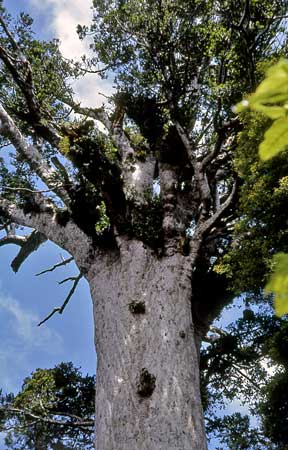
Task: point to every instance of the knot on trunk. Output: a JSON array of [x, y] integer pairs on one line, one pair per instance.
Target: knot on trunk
[[146, 384], [137, 307]]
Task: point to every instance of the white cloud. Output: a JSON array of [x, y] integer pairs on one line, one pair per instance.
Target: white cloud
[[24, 325], [21, 341], [63, 19]]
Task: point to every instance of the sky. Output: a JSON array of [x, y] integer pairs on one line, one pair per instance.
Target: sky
[[24, 298]]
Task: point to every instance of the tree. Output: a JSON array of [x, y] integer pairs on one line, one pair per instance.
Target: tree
[[247, 361], [54, 410], [145, 208]]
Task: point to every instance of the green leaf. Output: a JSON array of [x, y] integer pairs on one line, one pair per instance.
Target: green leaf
[[273, 112], [275, 139], [274, 88], [272, 91], [278, 283]]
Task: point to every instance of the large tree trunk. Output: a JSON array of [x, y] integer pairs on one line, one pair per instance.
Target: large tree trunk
[[147, 388]]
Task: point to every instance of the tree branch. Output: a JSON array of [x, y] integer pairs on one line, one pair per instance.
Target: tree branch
[[94, 113], [186, 142], [13, 239], [28, 245], [67, 279], [60, 309], [244, 15], [51, 269], [32, 155], [32, 243], [15, 65], [79, 423], [70, 237], [206, 226], [203, 228]]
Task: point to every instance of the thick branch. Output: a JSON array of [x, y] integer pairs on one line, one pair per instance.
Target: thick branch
[[70, 237], [13, 239], [28, 245], [32, 155], [32, 244], [137, 175]]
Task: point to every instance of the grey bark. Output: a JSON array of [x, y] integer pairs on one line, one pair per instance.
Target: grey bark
[[147, 388]]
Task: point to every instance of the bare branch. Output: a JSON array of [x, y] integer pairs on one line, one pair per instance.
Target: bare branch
[[31, 191], [216, 150], [57, 163], [60, 309], [242, 374], [62, 263], [67, 279], [9, 35], [205, 227]]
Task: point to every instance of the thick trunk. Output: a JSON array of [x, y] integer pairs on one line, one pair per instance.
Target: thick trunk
[[147, 389]]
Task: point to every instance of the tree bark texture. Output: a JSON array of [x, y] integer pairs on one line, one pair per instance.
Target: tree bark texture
[[147, 387]]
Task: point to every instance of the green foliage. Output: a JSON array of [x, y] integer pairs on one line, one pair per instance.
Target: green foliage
[[278, 283], [274, 410], [103, 221], [271, 98], [235, 432], [50, 402], [247, 364], [275, 139], [50, 74], [261, 227], [158, 47]]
